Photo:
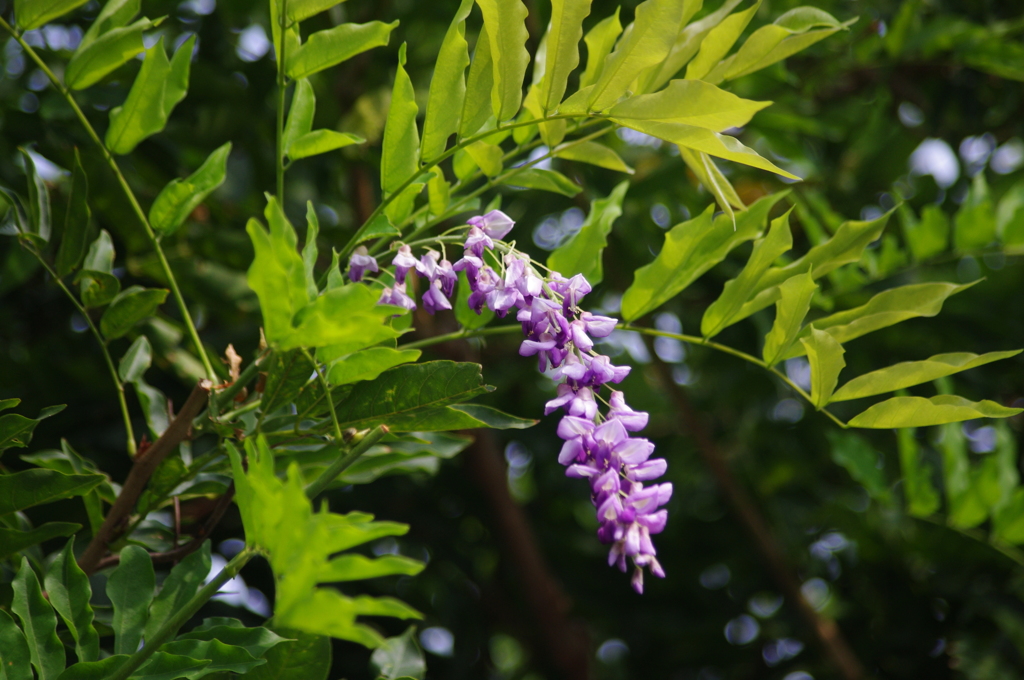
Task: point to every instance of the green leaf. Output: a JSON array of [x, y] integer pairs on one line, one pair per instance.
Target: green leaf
[[136, 360], [39, 214], [130, 307], [975, 223], [647, 42], [180, 197], [160, 666], [9, 403], [39, 623], [115, 14], [447, 87], [28, 488], [16, 659], [967, 508], [600, 39], [1007, 521], [928, 236], [287, 373], [736, 292], [886, 309], [14, 541], [487, 416], [544, 180], [826, 357], [158, 88], [476, 109], [309, 250], [582, 255], [307, 657], [325, 49], [68, 590], [718, 41], [488, 157], [920, 412], [222, 657], [300, 115], [16, 430], [707, 141], [399, 160], [257, 641], [130, 589], [910, 373], [563, 54], [862, 461], [34, 13], [921, 497], [505, 29], [95, 60], [691, 248], [100, 256], [76, 222], [358, 567], [177, 589], [794, 302], [300, 10], [367, 364], [594, 154], [321, 141], [1010, 216], [400, 657], [380, 227], [690, 102], [154, 407], [98, 288], [708, 174]]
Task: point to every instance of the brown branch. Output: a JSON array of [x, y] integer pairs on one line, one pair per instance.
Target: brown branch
[[825, 629], [143, 468], [179, 553]]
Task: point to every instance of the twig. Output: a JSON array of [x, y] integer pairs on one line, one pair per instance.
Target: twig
[[824, 628], [342, 463], [144, 467]]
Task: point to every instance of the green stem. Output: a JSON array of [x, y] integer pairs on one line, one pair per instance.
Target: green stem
[[125, 415], [181, 616], [327, 391], [458, 335], [251, 406], [341, 464], [228, 393], [129, 194], [281, 88]]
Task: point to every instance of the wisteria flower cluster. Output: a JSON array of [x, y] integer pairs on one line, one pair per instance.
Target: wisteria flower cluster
[[597, 446]]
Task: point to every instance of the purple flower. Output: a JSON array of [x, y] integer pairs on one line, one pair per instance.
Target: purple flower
[[404, 261], [434, 269], [575, 289], [359, 263], [495, 224], [477, 241], [598, 326], [434, 299], [397, 296], [634, 421]]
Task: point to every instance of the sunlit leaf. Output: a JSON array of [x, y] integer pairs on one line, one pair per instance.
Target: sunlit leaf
[[718, 41], [544, 180], [180, 197], [505, 30], [794, 302], [594, 154], [300, 10], [900, 412], [582, 255], [321, 141], [94, 61], [600, 40], [368, 364], [447, 87], [712, 179], [910, 373], [563, 55], [328, 48], [476, 108], [34, 13], [826, 357], [399, 159], [488, 157], [690, 102]]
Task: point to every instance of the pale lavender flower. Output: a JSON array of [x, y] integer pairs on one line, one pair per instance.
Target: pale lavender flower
[[397, 296], [495, 224], [359, 263], [404, 261]]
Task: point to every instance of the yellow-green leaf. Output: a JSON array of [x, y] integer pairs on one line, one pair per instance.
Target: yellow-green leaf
[[545, 180], [399, 161], [594, 154], [300, 10], [582, 254], [34, 13], [794, 302], [92, 63], [900, 412], [447, 87], [600, 39], [691, 102], [563, 54], [300, 115], [329, 48], [826, 357], [718, 41], [505, 27], [321, 141], [476, 107]]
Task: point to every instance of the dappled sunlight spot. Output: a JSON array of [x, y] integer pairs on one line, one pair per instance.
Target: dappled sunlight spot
[[936, 158], [253, 43], [742, 630], [438, 640]]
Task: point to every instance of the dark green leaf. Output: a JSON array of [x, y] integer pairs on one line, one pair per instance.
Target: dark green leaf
[[447, 87], [39, 623], [900, 412], [222, 657], [862, 462], [300, 115], [582, 255], [257, 641], [491, 417], [16, 660], [29, 488], [327, 48], [69, 592], [76, 222], [400, 657], [9, 403], [544, 180], [130, 589], [136, 360], [305, 657], [40, 218], [286, 372], [154, 407], [161, 666], [13, 541], [180, 197], [94, 61], [177, 589], [16, 430], [130, 307], [380, 227], [98, 288], [34, 13]]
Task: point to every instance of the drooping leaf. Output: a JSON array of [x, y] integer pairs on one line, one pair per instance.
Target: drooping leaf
[[154, 407], [594, 154], [328, 48], [305, 657], [158, 88], [367, 364], [862, 461], [130, 589], [35, 13], [582, 255], [136, 360], [180, 197], [16, 658], [300, 115], [545, 180], [563, 54], [690, 249], [9, 403], [38, 622], [712, 179], [40, 219], [600, 40], [76, 222], [826, 357], [399, 158], [400, 657], [177, 589], [647, 42], [900, 412], [718, 41], [95, 60], [14, 541], [16, 430], [309, 250], [28, 488], [129, 308], [505, 28], [488, 416], [910, 373], [68, 590], [794, 302], [447, 87], [736, 292], [690, 102]]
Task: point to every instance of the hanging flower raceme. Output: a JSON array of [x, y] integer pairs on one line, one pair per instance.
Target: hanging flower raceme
[[597, 447]]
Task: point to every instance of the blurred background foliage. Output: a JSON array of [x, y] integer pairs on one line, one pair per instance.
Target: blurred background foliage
[[920, 104]]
